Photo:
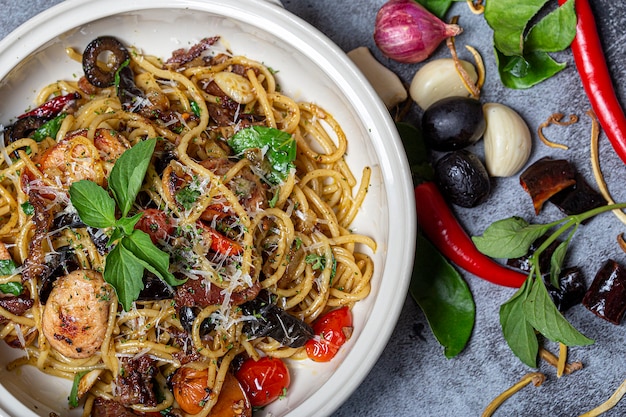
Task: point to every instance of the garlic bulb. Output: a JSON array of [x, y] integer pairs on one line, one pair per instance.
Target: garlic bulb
[[506, 139], [439, 79]]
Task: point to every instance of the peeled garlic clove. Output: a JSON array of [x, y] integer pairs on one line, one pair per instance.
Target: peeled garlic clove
[[439, 79], [506, 139], [385, 82], [235, 86]]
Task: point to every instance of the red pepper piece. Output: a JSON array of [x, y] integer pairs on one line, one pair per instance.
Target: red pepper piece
[[596, 78], [220, 243], [52, 107], [440, 226]]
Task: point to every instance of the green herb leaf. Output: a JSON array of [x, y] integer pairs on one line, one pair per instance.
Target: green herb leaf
[[195, 108], [443, 296], [518, 333], [519, 72], [117, 78], [127, 224], [73, 398], [14, 288], [155, 260], [124, 271], [556, 263], [279, 147], [508, 19], [7, 267], [49, 129], [187, 196], [94, 205], [555, 32], [437, 7], [542, 314], [128, 173], [509, 238], [28, 208]]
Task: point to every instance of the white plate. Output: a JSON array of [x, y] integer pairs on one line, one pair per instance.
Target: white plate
[[310, 68]]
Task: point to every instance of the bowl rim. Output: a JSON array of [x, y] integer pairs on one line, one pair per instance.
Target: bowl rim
[[385, 311]]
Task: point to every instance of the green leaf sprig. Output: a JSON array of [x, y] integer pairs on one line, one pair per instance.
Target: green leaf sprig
[[134, 251], [531, 308], [522, 52]]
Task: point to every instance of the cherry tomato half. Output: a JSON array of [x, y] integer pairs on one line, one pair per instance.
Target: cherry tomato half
[[331, 332], [264, 380]]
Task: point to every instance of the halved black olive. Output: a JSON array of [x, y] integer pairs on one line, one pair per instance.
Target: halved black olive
[[272, 321], [188, 314], [73, 221]]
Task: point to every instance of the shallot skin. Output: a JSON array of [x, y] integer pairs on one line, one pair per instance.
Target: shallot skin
[[407, 32]]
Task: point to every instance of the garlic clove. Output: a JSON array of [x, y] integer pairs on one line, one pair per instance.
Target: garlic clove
[[507, 140], [439, 79], [386, 83]]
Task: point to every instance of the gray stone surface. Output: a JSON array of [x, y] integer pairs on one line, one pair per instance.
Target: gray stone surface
[[412, 377]]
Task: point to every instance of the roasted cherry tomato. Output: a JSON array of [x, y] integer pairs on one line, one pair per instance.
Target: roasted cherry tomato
[[264, 380], [155, 223], [331, 332]]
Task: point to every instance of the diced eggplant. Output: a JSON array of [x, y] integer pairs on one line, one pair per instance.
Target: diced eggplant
[[272, 321], [578, 198], [571, 289], [545, 178], [523, 263], [606, 297]]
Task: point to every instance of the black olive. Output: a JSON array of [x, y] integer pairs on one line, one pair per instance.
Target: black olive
[[462, 178], [187, 316], [453, 123], [154, 288], [96, 75]]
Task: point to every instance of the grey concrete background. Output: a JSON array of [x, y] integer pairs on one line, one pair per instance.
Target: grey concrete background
[[412, 377]]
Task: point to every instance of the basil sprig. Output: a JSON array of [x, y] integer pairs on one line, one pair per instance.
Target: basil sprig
[[531, 307], [134, 251]]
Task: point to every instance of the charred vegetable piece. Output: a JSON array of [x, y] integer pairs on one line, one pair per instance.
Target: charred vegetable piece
[[187, 316], [72, 221], [545, 178], [154, 288], [571, 289], [272, 321], [462, 178], [578, 198], [453, 123], [523, 263], [606, 297], [58, 264]]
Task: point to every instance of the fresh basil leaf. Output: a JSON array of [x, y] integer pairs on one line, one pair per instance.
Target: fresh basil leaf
[[554, 32], [508, 19], [14, 288], [517, 331], [73, 398], [7, 267], [127, 224], [536, 67], [556, 263], [125, 273], [128, 173], [443, 296], [542, 314], [28, 208], [94, 205], [509, 238], [117, 78], [155, 260], [49, 129], [279, 148]]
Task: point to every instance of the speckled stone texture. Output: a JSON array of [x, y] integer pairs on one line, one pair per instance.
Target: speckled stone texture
[[412, 377]]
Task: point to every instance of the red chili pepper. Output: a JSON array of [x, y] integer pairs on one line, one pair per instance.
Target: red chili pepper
[[440, 226], [596, 78], [52, 107]]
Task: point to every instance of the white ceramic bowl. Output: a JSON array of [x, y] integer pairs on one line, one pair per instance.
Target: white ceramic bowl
[[311, 68]]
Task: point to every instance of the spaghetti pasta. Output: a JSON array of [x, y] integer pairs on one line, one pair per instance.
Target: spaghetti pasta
[[247, 193]]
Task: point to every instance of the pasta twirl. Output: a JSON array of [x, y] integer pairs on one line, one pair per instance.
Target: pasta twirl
[[247, 192]]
